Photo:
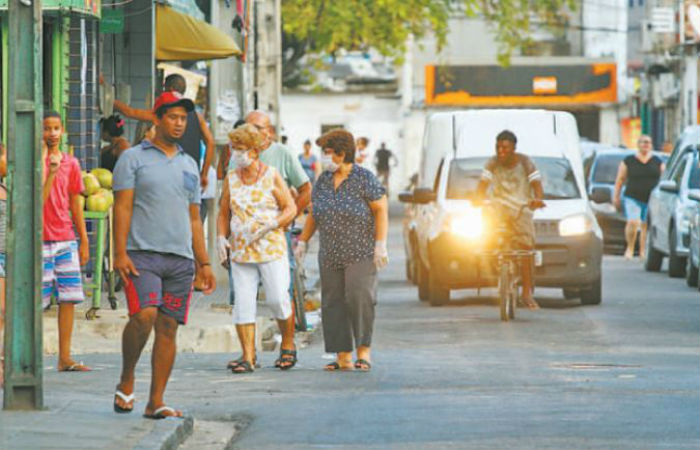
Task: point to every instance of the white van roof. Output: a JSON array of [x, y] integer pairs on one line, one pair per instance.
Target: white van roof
[[539, 132]]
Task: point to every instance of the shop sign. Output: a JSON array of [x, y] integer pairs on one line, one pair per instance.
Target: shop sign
[[112, 21], [544, 85], [524, 84], [631, 130]]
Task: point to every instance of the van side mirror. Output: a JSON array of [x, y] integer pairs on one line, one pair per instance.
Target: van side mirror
[[420, 196], [694, 195], [601, 195], [669, 186]]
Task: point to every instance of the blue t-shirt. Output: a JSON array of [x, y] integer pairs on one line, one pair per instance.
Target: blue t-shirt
[[164, 188], [343, 216]]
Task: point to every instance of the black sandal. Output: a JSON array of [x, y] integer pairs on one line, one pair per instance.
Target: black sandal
[[290, 360], [243, 367], [363, 365], [334, 367], [235, 362]]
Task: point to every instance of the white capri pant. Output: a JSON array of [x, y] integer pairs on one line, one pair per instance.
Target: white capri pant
[[275, 281]]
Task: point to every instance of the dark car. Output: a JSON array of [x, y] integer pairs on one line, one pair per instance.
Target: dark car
[[602, 164]]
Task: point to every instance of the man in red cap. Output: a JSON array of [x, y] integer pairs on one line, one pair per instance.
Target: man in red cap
[[157, 239], [196, 130]]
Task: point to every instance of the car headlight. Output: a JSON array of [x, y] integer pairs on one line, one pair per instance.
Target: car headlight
[[575, 225], [467, 225]]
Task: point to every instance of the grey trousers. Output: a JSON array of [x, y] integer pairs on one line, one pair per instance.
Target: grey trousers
[[348, 297]]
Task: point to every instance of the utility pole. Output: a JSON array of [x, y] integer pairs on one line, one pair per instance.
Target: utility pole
[[23, 329]]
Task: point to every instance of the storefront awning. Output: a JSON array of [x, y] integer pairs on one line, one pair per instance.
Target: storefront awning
[[180, 37]]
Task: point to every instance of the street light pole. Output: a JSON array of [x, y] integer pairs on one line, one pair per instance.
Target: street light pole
[[23, 330]]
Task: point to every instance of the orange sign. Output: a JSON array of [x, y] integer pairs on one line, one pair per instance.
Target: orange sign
[[631, 129], [526, 84], [544, 85]]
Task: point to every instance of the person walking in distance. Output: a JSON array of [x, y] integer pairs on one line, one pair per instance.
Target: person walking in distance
[[362, 152], [255, 207], [382, 158], [638, 173], [62, 255], [349, 208], [309, 162], [157, 234]]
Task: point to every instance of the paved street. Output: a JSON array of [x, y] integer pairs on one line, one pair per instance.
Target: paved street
[[622, 375]]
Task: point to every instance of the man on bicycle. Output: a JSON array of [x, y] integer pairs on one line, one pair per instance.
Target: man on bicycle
[[515, 182]]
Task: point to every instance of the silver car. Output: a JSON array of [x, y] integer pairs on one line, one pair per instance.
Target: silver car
[[671, 210]]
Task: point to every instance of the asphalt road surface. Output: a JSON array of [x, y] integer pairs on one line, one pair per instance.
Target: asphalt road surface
[[621, 375]]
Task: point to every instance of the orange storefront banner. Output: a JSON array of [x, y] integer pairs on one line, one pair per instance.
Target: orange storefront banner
[[521, 85], [631, 129]]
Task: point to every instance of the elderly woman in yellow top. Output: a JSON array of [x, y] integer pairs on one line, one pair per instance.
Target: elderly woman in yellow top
[[255, 207]]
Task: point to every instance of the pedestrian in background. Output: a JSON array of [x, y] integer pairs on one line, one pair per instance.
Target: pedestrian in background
[[349, 208], [112, 131], [309, 162], [3, 256], [362, 152], [255, 207], [157, 236], [62, 255], [382, 158], [639, 173]]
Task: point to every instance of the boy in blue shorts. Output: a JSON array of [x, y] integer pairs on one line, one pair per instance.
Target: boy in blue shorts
[[62, 255]]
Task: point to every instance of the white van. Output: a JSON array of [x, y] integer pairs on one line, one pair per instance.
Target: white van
[[455, 149]]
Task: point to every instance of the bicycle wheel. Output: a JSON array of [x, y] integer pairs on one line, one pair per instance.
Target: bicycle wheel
[[299, 291], [504, 287]]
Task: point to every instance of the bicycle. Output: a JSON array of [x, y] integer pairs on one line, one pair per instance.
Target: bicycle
[[509, 263], [298, 288]]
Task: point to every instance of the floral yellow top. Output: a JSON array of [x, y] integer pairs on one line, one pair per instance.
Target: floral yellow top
[[252, 206]]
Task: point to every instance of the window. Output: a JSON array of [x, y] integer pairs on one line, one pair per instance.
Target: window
[[694, 178], [558, 179], [677, 175], [606, 166]]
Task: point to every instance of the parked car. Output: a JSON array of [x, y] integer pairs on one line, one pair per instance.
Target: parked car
[[692, 267], [443, 232], [670, 212], [600, 182]]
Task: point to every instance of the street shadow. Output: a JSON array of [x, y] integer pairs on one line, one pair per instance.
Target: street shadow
[[490, 300]]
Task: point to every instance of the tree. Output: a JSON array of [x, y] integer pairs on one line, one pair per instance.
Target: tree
[[326, 26]]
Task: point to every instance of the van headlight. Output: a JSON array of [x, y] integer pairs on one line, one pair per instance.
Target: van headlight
[[575, 225], [467, 225]]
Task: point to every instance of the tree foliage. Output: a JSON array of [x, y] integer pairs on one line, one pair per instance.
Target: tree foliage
[[326, 26]]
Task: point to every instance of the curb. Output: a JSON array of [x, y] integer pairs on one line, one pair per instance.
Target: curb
[[167, 434]]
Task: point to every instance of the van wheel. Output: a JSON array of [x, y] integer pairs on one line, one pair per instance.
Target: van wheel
[[593, 294], [654, 258], [422, 281], [438, 295], [691, 273], [676, 264]]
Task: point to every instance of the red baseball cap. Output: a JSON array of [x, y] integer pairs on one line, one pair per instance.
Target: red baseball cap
[[172, 98]]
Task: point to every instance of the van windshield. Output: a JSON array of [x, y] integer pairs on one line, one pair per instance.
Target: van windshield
[[558, 179]]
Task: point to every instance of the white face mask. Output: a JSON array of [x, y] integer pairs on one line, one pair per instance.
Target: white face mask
[[328, 164], [241, 159]]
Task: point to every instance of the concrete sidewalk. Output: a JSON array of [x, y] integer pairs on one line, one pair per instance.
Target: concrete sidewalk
[[78, 406]]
